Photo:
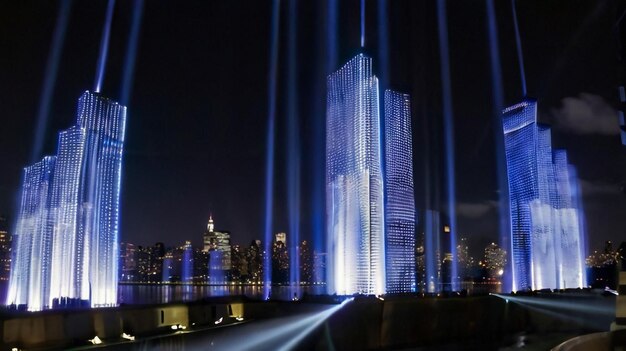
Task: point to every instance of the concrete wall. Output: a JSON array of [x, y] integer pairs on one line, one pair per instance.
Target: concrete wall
[[71, 328], [363, 324]]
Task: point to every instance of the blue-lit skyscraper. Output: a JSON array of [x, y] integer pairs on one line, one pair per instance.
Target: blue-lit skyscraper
[[399, 197], [354, 181], [546, 230], [30, 279], [81, 196]]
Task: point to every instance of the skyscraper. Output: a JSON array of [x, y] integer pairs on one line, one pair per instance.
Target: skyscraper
[[5, 250], [217, 241], [30, 279], [80, 199], [399, 198], [354, 181], [546, 228]]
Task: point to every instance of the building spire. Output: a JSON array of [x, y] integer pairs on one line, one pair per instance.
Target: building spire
[[210, 227]]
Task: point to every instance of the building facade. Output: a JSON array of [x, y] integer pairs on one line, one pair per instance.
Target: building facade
[[29, 283], [5, 250], [546, 224], [79, 250], [399, 197], [354, 181]]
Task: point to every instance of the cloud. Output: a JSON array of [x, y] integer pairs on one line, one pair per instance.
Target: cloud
[[593, 188], [474, 210], [586, 114]]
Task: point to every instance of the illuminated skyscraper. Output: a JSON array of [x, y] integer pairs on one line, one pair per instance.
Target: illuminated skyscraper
[[30, 271], [217, 241], [81, 199], [399, 198], [354, 181], [546, 228]]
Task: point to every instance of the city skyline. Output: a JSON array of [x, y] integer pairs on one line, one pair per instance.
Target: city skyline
[[154, 206]]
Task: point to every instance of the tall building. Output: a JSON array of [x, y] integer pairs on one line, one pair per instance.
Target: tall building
[[282, 237], [432, 254], [546, 224], [399, 197], [280, 263], [354, 181], [78, 213], [254, 259], [29, 283], [128, 263], [5, 250], [306, 262], [208, 234], [217, 241]]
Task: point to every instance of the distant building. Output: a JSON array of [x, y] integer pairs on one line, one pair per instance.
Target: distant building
[[306, 262], [603, 265], [218, 241], [207, 238], [280, 263], [494, 260], [200, 266], [465, 261], [128, 265], [319, 267], [254, 259], [5, 250], [433, 243], [239, 264], [282, 237]]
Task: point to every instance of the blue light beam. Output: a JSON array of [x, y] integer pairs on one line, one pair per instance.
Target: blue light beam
[[269, 167], [518, 42], [131, 53], [362, 23], [293, 153], [448, 119], [52, 68], [498, 106], [104, 47]]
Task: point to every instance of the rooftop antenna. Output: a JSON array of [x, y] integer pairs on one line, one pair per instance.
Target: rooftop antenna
[[520, 56], [104, 47]]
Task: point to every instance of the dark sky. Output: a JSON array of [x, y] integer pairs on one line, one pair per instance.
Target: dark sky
[[197, 116]]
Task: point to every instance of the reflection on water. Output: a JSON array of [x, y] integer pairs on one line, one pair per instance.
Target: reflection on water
[[151, 293]]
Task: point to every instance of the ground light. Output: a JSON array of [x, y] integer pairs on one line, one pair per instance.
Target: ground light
[[96, 340], [588, 310], [284, 333]]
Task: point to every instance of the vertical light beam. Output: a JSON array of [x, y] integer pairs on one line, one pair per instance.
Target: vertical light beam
[[269, 170], [104, 46], [131, 53], [293, 152], [331, 36], [52, 68], [362, 23], [383, 45], [498, 106], [520, 56], [448, 119]]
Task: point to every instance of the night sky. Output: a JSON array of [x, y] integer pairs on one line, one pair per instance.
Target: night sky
[[197, 116]]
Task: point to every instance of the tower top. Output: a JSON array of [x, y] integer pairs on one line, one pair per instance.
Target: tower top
[[210, 226]]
